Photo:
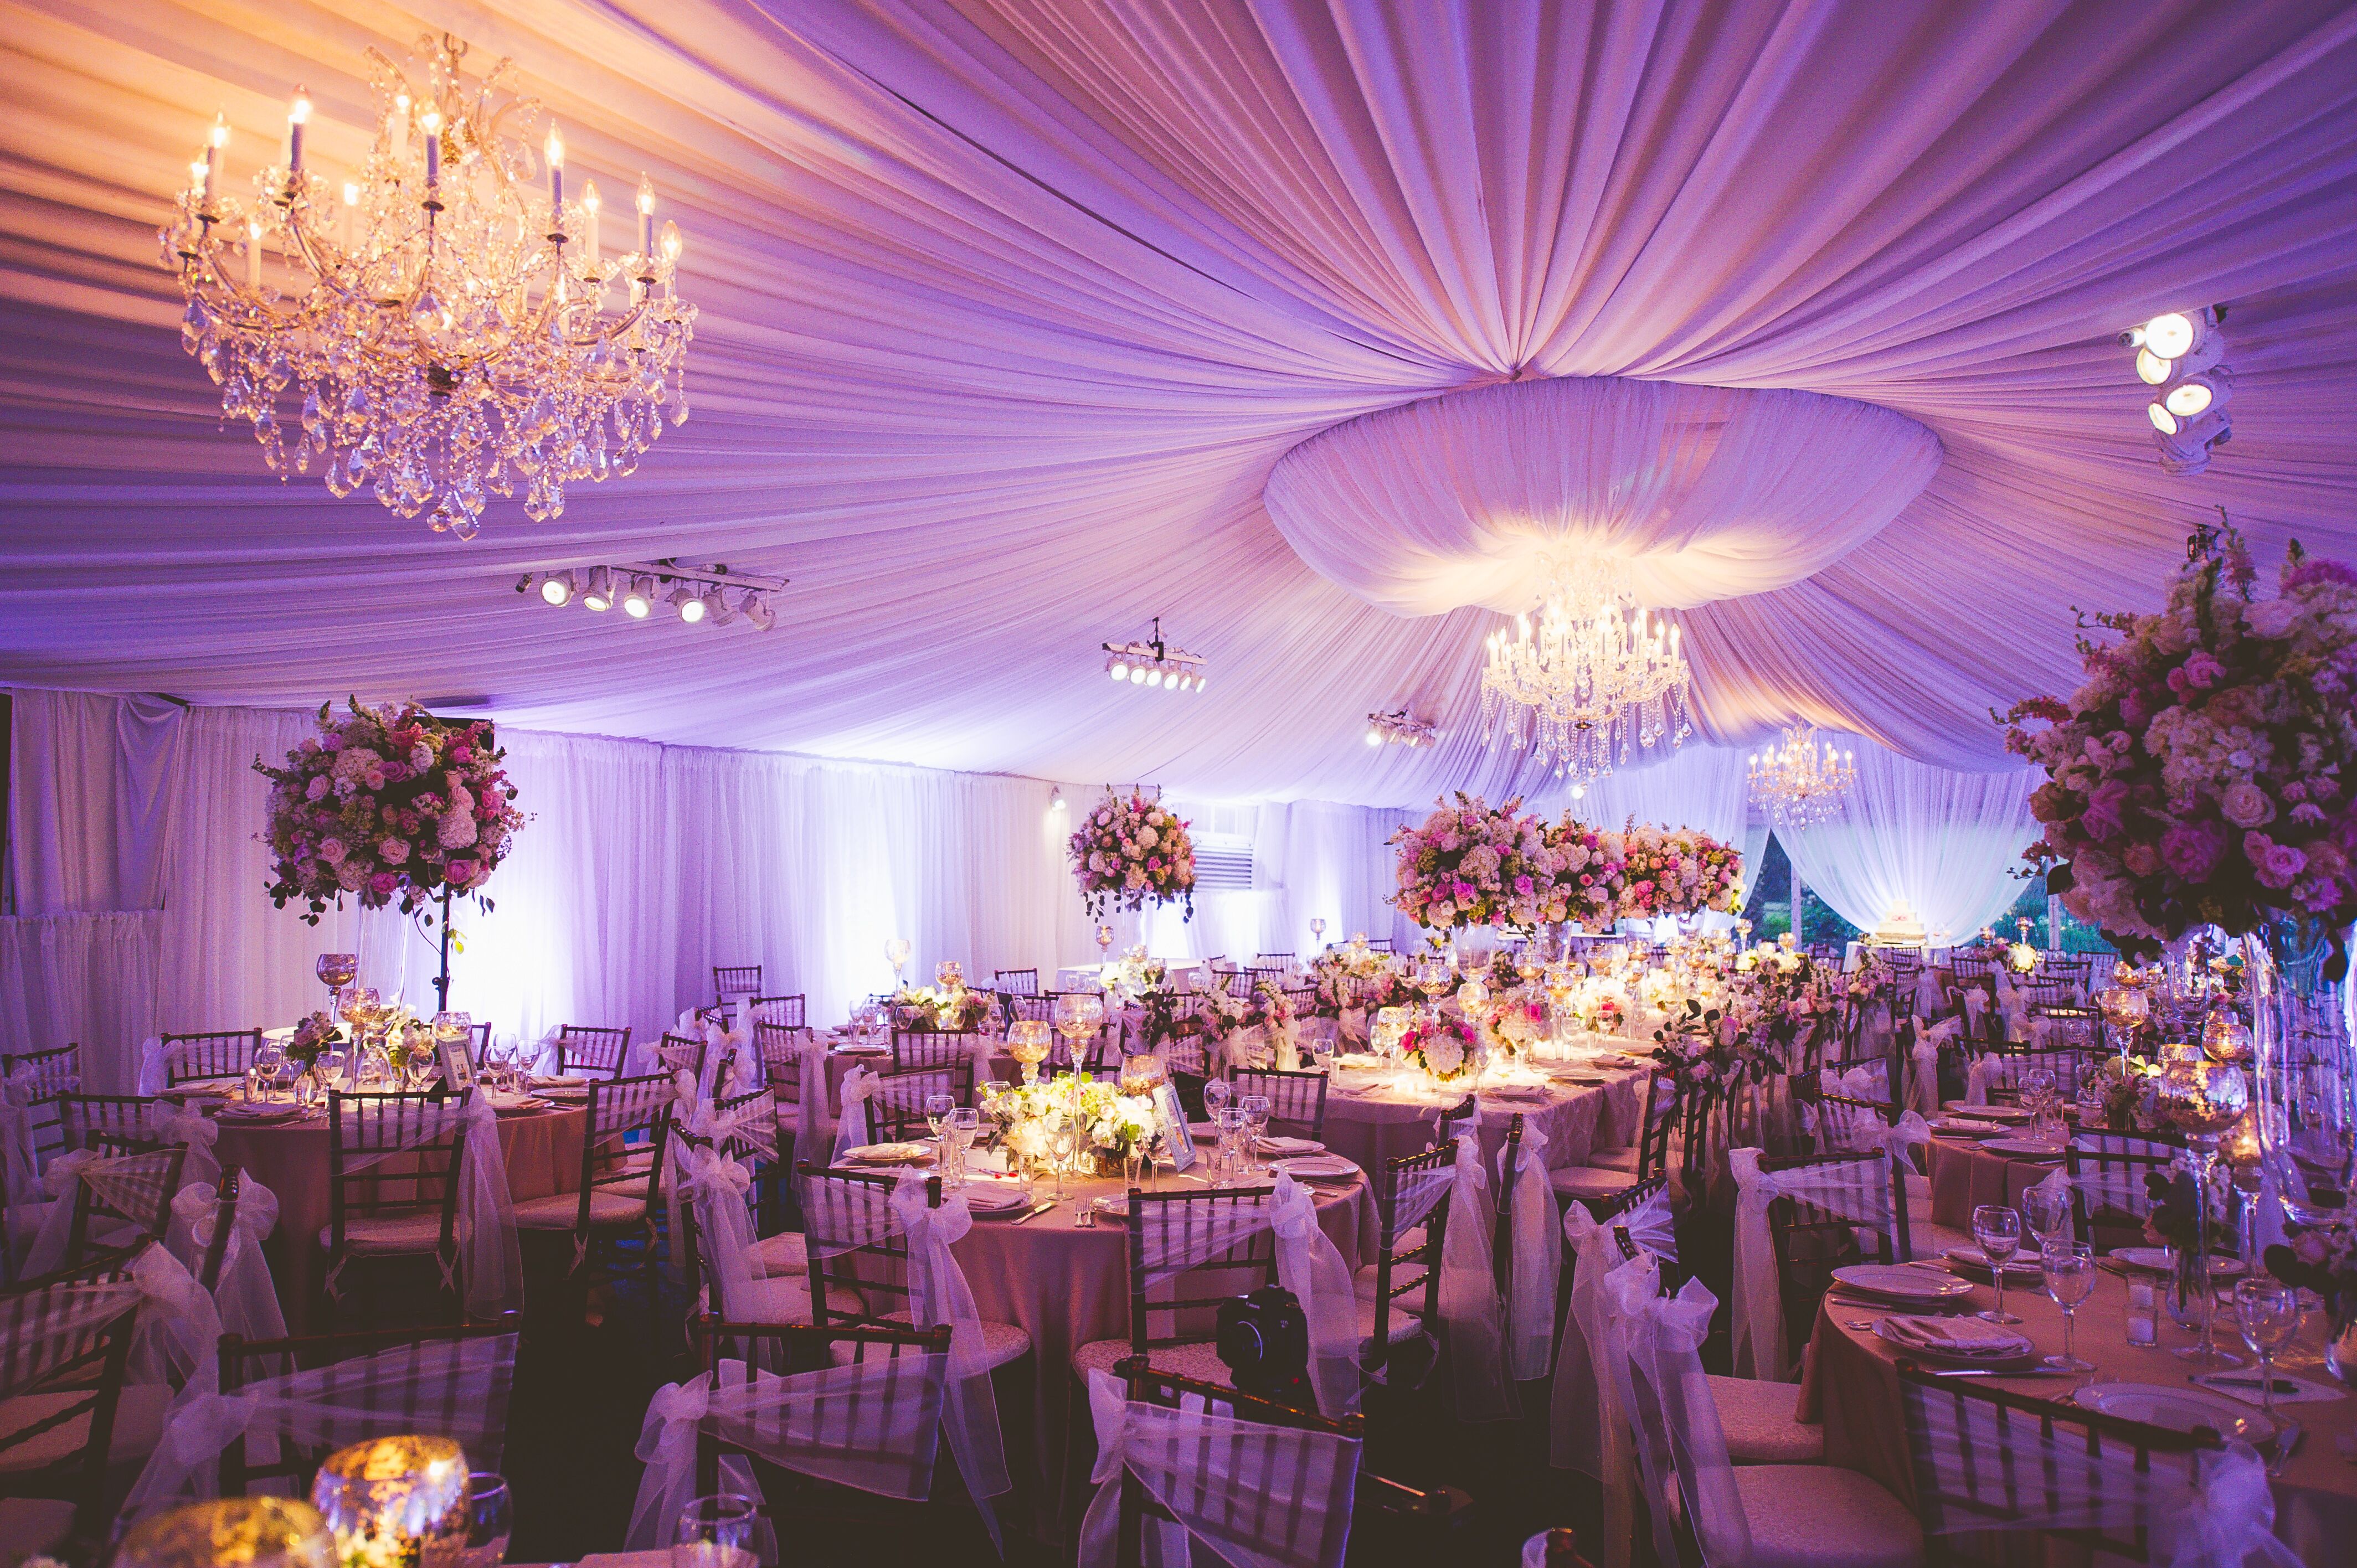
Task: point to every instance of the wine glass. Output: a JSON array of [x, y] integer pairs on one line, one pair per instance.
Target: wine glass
[[2069, 1271], [963, 1125], [896, 953], [937, 1117], [1998, 1230], [1066, 1133], [1257, 1108], [949, 974], [2267, 1311], [1318, 932], [491, 1519], [1079, 1015], [1027, 1040], [2048, 1211], [335, 971], [716, 1533]]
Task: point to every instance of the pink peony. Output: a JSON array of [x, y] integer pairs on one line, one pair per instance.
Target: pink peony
[[2191, 850], [2275, 865]]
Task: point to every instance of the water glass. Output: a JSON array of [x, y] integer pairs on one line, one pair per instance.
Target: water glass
[[1229, 1120], [2049, 1214], [2267, 1312], [1255, 1109], [717, 1531], [491, 1519], [2069, 1270], [1998, 1230], [964, 1124]]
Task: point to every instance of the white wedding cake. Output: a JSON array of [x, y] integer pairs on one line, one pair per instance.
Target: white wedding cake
[[1898, 930]]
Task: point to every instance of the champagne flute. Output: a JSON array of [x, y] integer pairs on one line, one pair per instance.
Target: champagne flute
[[1215, 1100], [2069, 1271], [964, 1124], [2267, 1312], [1998, 1230]]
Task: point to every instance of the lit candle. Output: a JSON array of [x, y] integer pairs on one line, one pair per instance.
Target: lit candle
[[215, 140], [350, 233], [431, 124], [297, 118], [254, 252], [397, 126], [589, 205], [200, 173], [556, 150], [646, 218], [671, 243]]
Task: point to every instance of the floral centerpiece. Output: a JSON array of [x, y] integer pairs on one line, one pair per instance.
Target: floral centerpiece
[[1133, 974], [1675, 871], [1356, 976], [1446, 1048], [1127, 853], [1117, 1126], [1475, 865], [312, 1036], [951, 1007], [388, 804], [2206, 772]]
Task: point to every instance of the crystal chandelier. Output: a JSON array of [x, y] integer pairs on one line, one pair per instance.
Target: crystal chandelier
[[1587, 677], [445, 313], [1798, 786]]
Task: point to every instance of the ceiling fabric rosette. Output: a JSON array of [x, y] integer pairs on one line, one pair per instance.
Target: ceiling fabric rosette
[[1703, 492]]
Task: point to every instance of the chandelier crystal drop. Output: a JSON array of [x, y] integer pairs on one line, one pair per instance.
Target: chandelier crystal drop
[[442, 324], [1595, 672], [1799, 785]]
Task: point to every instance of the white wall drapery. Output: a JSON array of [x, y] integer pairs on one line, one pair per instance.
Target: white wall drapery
[[89, 800], [1945, 846]]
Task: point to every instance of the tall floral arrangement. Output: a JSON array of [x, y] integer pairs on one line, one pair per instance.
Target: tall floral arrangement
[[1128, 852], [2206, 771], [388, 804], [1475, 865]]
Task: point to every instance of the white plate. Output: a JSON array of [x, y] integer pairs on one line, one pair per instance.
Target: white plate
[[1899, 1283], [890, 1155], [2017, 1267], [2024, 1354], [2025, 1148], [2177, 1408], [1317, 1167], [2156, 1261], [1986, 1112]]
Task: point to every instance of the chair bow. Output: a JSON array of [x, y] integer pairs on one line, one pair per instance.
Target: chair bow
[[66, 1169], [713, 1176], [1909, 1133], [179, 1331], [939, 1294], [1309, 1265], [672, 1416], [1469, 1292], [1535, 1264], [2232, 1516], [204, 1423], [859, 1086], [1757, 1328]]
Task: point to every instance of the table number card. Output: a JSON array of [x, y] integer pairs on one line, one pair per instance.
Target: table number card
[[457, 1065], [1173, 1117]]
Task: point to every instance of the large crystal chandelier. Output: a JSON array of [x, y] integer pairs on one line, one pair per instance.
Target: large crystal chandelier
[[446, 313], [1595, 672], [1797, 785]]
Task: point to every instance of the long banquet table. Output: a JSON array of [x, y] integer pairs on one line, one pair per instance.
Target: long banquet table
[[1373, 1124], [1852, 1387]]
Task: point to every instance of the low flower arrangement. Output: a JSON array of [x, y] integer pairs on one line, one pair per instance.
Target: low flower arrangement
[[1446, 1048], [1133, 974], [1355, 976], [1129, 852], [388, 804], [2206, 771], [928, 1006], [317, 1033], [1115, 1125], [2324, 1260]]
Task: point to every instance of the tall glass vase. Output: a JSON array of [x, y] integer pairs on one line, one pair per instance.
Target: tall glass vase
[[2304, 1036]]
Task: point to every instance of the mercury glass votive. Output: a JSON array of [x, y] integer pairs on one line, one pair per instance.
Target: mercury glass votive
[[1027, 1040], [231, 1532], [389, 1500]]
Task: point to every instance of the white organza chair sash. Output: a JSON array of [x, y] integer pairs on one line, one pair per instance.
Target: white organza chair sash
[[447, 1388], [1417, 1193], [195, 1131], [1535, 1265], [1854, 1190], [1469, 1306], [131, 1183], [1679, 1417], [1591, 1412], [872, 1425], [46, 1326], [859, 1086], [487, 1222], [1995, 1470], [244, 1294], [1255, 1495]]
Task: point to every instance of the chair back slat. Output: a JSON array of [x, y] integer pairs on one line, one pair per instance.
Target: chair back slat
[[733, 980], [1167, 1225], [896, 1111], [592, 1049], [1296, 1101], [211, 1054]]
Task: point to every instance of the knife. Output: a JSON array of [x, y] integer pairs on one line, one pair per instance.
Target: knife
[[1996, 1372], [1034, 1212]]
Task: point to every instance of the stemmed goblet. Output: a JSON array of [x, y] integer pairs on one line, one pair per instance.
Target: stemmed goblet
[[335, 971], [2267, 1312], [1998, 1230], [896, 953], [1257, 1108], [2069, 1271]]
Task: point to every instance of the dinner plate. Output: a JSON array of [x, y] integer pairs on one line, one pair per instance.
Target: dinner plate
[[2025, 1148], [1317, 1167], [890, 1154], [2177, 1408], [2157, 1260], [2022, 1355], [1960, 1127], [1986, 1112], [2019, 1267], [1896, 1282]]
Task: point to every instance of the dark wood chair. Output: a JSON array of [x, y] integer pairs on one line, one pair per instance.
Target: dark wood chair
[[1173, 1321], [1811, 1241], [789, 1011], [130, 1198], [628, 1122], [1412, 1221], [124, 1122], [1016, 981], [896, 1112], [914, 1048], [61, 1381], [1296, 1101], [734, 980], [47, 1076], [2111, 1191], [214, 1054], [393, 1187], [592, 1049]]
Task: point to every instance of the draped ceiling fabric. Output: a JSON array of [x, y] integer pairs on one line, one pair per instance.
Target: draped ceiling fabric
[[1011, 306], [1701, 493]]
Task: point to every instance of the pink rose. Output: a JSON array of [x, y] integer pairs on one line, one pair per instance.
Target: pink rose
[[383, 884], [2245, 805], [2142, 859], [393, 852], [333, 852], [2275, 865], [463, 874], [317, 788], [2102, 818]]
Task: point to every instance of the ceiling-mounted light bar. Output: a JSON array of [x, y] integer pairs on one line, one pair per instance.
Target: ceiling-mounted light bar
[[696, 593], [2179, 356], [1154, 664], [1399, 728]]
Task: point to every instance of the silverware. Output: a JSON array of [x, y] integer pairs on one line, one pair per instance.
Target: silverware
[[2286, 1445], [2282, 1385], [1996, 1372], [1034, 1212]]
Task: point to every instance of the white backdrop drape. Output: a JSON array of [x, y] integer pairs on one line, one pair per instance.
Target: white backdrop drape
[[1945, 846]]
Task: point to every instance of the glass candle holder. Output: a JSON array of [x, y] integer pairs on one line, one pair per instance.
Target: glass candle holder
[[389, 1500], [231, 1532]]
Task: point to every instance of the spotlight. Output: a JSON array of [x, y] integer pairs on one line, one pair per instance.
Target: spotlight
[[2199, 395], [1375, 737], [639, 600], [756, 610], [2178, 355], [1055, 800], [2186, 449], [1154, 663], [2170, 334], [558, 588], [2151, 369], [600, 592], [1579, 791], [1137, 674], [690, 605], [1119, 667], [722, 611], [1154, 677]]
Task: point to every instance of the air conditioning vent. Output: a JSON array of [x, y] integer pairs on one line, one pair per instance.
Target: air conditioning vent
[[1223, 870]]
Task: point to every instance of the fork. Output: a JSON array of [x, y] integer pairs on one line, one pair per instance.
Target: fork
[[2287, 1443]]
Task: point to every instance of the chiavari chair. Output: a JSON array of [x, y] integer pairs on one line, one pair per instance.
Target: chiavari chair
[[122, 1121], [1379, 944], [896, 1108], [1613, 1172], [227, 1193], [65, 1415], [677, 1053], [392, 1186], [1173, 1320], [1016, 981], [921, 1048], [482, 1043], [213, 1054], [1989, 1462], [734, 980], [1412, 1196], [621, 1181], [45, 1075], [122, 1198], [1811, 1241], [1457, 1120], [2111, 1191], [592, 1048], [446, 1381], [1296, 1101], [859, 1264], [788, 1010]]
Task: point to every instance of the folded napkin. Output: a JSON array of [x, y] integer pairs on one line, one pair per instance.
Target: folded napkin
[[1954, 1335], [1270, 1144], [2244, 1384]]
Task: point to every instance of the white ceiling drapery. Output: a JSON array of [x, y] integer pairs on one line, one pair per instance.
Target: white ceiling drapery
[[1010, 307]]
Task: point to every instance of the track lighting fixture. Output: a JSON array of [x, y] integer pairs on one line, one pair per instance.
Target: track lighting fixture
[[714, 594], [1154, 664], [2178, 355]]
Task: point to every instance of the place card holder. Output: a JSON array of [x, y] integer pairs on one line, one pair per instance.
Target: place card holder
[[1173, 1117], [457, 1065]]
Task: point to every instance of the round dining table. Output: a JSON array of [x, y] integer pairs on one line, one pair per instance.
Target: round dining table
[[540, 1149], [1852, 1387], [1375, 1117]]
